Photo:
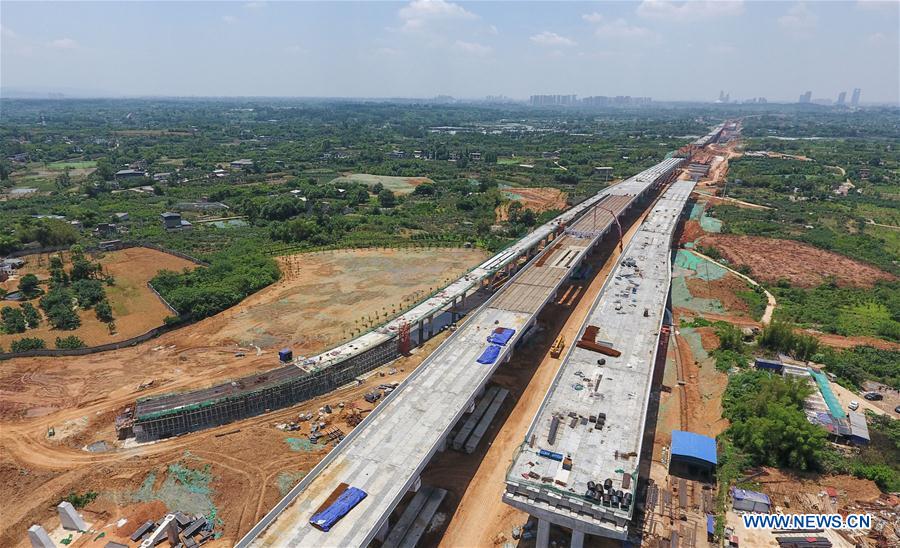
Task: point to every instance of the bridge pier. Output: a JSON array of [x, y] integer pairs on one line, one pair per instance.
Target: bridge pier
[[382, 533], [543, 534], [577, 539]]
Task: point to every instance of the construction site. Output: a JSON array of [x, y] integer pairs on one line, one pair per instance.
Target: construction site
[[532, 399], [510, 289], [384, 458]]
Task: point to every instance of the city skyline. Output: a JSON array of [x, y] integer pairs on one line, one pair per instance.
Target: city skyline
[[468, 50]]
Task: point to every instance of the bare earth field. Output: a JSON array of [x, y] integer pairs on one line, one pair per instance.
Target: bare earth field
[[397, 185], [323, 298], [136, 309], [803, 265], [538, 200], [79, 396]]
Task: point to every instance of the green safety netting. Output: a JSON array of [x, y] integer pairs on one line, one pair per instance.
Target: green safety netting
[[834, 406]]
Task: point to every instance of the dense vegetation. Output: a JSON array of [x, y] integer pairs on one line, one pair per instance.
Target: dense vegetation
[[768, 423], [292, 196], [769, 427], [232, 275], [845, 311]]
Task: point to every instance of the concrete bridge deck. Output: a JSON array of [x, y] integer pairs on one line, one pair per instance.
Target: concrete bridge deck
[[385, 454]]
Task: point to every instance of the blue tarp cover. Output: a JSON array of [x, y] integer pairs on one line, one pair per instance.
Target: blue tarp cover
[[689, 444], [743, 494], [501, 335], [326, 519], [489, 355], [710, 524]]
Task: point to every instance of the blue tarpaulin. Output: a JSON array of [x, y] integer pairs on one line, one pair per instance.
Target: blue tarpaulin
[[710, 524], [501, 336], [489, 355], [326, 519]]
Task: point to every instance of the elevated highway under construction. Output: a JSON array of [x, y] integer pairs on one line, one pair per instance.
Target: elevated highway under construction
[[579, 464], [385, 455], [169, 415]]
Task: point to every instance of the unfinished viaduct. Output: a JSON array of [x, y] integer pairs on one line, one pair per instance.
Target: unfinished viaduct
[[168, 415], [385, 455]]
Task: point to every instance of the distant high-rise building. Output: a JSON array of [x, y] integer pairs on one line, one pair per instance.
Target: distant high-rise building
[[553, 100], [854, 99], [805, 97], [842, 98]]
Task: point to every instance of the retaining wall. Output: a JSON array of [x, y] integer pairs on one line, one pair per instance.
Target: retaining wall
[[305, 386]]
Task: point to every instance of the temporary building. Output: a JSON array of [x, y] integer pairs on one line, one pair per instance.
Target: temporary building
[[693, 455], [750, 501]]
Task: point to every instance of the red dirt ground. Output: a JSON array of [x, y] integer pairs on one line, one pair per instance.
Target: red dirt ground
[[801, 264], [536, 199]]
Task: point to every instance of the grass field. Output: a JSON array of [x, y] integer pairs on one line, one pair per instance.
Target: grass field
[[60, 166], [397, 185], [514, 161]]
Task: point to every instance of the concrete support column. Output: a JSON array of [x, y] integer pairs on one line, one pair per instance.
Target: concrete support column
[[431, 326], [421, 324], [416, 485], [577, 539], [543, 534]]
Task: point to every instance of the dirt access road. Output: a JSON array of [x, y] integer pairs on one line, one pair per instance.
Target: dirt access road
[[481, 516], [79, 396], [36, 471]]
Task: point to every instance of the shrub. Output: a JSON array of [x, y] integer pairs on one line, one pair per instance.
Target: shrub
[[32, 316], [27, 343], [13, 320], [82, 500], [70, 342]]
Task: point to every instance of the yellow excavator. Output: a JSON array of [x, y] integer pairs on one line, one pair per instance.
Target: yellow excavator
[[558, 345]]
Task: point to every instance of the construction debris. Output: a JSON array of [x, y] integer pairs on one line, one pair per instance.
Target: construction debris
[[588, 342]]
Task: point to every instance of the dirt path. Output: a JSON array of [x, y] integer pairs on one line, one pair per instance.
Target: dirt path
[[741, 203], [770, 306], [481, 514], [873, 223], [38, 471]]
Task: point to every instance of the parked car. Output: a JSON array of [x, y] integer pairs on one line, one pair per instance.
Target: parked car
[[854, 405], [874, 396], [897, 410]]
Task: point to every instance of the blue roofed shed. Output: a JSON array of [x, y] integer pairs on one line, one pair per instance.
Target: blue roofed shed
[[750, 501], [693, 455]]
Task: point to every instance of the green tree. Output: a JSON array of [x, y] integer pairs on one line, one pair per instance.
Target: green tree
[[57, 306], [32, 316], [26, 344], [386, 198], [63, 180], [13, 320], [28, 284], [88, 292], [104, 311], [70, 342], [8, 244]]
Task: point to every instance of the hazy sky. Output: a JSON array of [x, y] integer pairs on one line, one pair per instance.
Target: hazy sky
[[666, 50]]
